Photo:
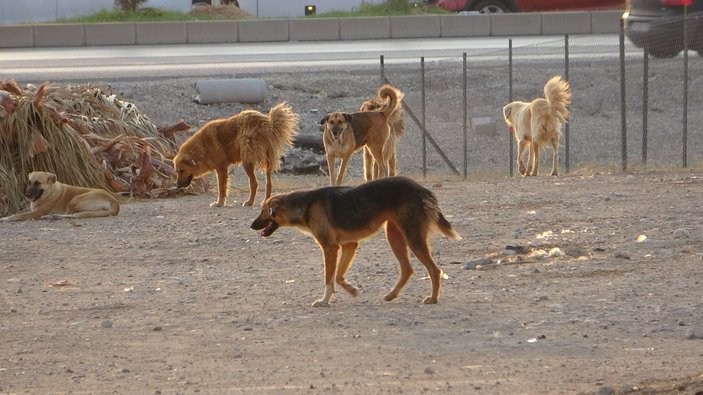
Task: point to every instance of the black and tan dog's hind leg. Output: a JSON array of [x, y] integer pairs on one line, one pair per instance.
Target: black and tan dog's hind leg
[[415, 240], [400, 250], [345, 262]]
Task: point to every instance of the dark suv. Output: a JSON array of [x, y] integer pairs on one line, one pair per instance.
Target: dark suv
[[500, 6], [657, 25]]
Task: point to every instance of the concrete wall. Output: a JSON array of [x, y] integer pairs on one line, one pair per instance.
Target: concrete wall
[[309, 29]]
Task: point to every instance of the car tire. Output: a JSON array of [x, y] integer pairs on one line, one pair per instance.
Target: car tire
[[664, 52], [491, 6]]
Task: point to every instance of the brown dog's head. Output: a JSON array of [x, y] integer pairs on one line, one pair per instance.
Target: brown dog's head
[[335, 123], [186, 169], [274, 214], [39, 182]]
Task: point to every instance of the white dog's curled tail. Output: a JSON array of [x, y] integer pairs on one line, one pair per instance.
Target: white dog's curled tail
[[558, 94]]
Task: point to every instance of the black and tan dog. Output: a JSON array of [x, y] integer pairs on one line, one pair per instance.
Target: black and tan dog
[[345, 133], [339, 217], [397, 125], [50, 197]]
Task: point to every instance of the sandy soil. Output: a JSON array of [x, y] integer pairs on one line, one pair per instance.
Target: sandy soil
[[175, 297]]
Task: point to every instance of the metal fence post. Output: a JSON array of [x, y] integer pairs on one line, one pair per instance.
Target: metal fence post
[[566, 75], [383, 71], [424, 137], [645, 103], [466, 118], [623, 104], [685, 87], [510, 98]]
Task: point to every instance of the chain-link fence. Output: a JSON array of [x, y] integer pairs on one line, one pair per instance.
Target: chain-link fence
[[629, 110]]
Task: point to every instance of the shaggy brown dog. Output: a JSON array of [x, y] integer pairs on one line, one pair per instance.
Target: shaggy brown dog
[[50, 197], [250, 138], [538, 123], [397, 125], [345, 133], [339, 217]]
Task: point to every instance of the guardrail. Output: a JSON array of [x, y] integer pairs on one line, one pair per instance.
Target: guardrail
[[308, 29]]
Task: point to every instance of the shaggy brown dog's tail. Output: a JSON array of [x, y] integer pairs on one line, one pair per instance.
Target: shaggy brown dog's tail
[[558, 94], [268, 136], [394, 96]]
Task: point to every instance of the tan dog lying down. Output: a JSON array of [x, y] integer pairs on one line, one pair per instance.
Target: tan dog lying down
[[49, 196]]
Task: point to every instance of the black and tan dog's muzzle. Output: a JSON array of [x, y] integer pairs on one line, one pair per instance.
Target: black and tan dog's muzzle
[[265, 225]]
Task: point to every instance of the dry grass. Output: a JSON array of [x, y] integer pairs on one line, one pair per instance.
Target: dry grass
[[86, 137]]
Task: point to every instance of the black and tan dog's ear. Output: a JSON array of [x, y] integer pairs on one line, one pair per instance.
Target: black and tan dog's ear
[[324, 120], [51, 179], [347, 117], [275, 208]]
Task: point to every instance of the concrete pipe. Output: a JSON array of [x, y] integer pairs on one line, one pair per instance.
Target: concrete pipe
[[227, 91]]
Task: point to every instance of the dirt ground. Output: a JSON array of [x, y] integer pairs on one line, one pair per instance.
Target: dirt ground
[[575, 284], [585, 283]]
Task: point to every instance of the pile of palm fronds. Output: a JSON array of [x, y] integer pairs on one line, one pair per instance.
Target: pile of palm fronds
[[86, 137]]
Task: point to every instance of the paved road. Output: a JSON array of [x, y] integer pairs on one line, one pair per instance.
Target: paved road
[[149, 61]]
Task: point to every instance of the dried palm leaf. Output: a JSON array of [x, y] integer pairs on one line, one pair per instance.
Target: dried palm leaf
[[86, 137]]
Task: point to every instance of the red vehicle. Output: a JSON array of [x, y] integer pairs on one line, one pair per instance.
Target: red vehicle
[[500, 6]]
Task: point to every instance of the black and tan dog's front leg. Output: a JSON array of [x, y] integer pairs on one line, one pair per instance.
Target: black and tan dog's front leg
[[345, 261], [329, 253]]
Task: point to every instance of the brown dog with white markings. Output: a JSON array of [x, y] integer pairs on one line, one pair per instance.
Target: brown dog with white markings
[[345, 133]]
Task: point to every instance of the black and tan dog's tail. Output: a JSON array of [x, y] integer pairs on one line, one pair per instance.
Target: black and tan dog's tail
[[558, 94], [394, 97], [440, 222]]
